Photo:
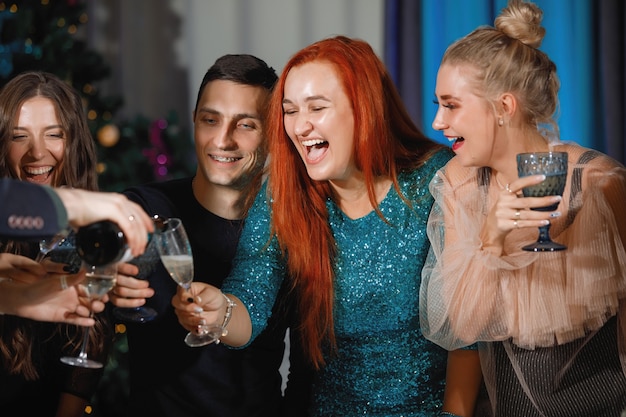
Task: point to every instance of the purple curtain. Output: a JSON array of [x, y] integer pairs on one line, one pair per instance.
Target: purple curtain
[[609, 18], [403, 52]]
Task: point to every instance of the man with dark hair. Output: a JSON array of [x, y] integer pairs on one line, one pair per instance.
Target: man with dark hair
[[168, 378]]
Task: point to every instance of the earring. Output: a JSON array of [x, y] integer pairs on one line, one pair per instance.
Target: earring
[[500, 122]]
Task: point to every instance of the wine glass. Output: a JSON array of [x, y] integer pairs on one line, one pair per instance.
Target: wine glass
[[177, 258], [47, 245], [65, 253], [554, 166], [146, 264], [99, 281]]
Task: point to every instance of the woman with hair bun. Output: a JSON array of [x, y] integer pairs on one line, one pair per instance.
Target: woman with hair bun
[[551, 326]]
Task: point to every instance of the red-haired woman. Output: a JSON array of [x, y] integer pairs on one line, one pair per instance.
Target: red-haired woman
[[343, 215]]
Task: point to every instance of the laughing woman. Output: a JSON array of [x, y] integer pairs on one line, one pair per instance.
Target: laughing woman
[[551, 326], [343, 214], [44, 139]]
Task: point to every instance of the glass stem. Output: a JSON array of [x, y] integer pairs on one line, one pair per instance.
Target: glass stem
[[42, 254], [544, 234], [83, 348]]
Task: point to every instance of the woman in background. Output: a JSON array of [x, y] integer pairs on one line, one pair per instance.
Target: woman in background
[[44, 139]]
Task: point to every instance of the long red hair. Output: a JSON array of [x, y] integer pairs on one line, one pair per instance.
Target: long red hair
[[386, 142]]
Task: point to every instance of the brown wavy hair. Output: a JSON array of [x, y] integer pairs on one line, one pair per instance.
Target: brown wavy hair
[[77, 169], [386, 142]]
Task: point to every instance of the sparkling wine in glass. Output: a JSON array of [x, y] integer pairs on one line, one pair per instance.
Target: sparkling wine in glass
[[175, 251], [554, 166], [98, 282]]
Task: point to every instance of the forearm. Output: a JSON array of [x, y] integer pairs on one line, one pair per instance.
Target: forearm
[[239, 327], [35, 213], [463, 378]]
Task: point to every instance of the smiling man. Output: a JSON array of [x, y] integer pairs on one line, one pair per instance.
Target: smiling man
[[168, 378]]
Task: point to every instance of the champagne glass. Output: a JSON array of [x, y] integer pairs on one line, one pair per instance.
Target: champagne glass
[[177, 258], [554, 166], [65, 253], [47, 245], [99, 281]]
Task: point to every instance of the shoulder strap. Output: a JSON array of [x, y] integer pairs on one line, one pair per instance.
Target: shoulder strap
[[575, 199]]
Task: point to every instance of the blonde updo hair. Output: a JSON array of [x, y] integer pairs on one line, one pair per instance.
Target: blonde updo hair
[[506, 59]]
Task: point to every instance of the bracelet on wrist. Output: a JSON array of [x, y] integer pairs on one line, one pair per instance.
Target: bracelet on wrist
[[448, 414], [227, 315]]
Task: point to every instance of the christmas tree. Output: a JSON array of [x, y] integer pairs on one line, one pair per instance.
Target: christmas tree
[[46, 35]]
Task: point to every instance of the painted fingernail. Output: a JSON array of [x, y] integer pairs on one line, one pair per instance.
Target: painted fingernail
[[555, 214], [198, 310]]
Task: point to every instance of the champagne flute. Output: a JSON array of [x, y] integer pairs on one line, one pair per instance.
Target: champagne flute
[[177, 258], [99, 281], [554, 166]]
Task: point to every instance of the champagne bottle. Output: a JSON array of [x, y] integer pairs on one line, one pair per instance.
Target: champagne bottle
[[102, 243]]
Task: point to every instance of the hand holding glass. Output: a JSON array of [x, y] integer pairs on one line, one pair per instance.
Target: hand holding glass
[[146, 263], [175, 251], [98, 282], [554, 166]]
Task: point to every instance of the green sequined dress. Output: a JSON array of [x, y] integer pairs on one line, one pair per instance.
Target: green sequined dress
[[384, 366]]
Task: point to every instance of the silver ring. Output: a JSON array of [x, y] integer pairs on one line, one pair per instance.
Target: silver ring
[[63, 280], [131, 218], [508, 188], [515, 224], [517, 215]]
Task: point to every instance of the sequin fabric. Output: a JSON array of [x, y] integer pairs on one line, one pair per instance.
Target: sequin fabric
[[384, 366]]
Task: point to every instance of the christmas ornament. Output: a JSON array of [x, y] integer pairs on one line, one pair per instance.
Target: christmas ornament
[[108, 135]]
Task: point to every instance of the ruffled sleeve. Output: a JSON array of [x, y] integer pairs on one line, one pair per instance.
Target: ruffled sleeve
[[535, 299]]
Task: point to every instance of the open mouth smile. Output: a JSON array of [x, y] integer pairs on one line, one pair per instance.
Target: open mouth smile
[[315, 149], [458, 142], [38, 174]]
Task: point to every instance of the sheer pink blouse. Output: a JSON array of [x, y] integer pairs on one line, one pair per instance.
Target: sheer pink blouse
[[534, 299]]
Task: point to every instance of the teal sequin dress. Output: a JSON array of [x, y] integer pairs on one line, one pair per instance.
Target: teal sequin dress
[[384, 366]]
